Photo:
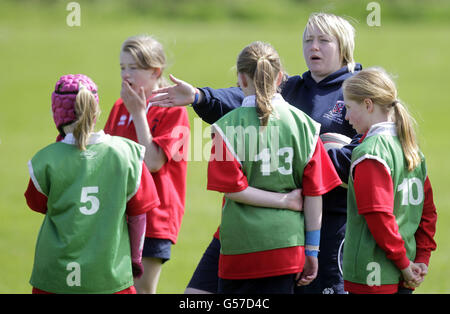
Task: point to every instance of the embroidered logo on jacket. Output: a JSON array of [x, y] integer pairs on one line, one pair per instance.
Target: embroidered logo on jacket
[[336, 113], [338, 107]]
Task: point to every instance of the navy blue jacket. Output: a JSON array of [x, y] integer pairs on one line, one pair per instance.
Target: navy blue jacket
[[322, 101]]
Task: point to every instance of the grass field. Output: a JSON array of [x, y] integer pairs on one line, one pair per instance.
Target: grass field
[[37, 46]]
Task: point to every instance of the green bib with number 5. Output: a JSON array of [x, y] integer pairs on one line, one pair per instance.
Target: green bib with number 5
[[364, 261], [272, 158], [83, 244]]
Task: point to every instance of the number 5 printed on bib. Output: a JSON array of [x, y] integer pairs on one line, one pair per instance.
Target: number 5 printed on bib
[[88, 197]]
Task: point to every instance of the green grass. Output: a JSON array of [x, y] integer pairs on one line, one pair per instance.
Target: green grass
[[36, 47]]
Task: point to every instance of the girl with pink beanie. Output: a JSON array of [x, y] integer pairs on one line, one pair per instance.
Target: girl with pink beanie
[[91, 238]]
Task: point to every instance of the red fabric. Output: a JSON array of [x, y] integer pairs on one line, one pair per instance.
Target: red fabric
[[373, 187], [365, 289], [129, 290], [319, 175], [319, 178], [427, 228], [170, 130], [35, 199], [224, 171], [146, 196], [269, 263]]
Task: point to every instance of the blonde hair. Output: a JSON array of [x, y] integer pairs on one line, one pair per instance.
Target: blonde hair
[[87, 111], [339, 28], [374, 83], [148, 54], [260, 61]]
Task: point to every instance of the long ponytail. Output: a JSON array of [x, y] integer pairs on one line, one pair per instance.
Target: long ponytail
[[405, 125], [87, 111], [261, 62], [265, 89]]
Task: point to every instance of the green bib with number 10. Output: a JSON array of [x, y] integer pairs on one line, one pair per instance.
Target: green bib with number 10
[[362, 255], [272, 158], [83, 244]]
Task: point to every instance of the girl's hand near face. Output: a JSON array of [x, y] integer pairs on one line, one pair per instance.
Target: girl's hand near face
[[134, 102]]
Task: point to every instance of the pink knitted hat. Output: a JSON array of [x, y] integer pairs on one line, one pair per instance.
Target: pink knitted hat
[[63, 98]]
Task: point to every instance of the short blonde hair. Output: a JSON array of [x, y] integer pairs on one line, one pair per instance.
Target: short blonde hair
[[339, 28], [148, 54]]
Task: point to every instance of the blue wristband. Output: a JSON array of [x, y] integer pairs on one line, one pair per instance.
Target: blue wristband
[[314, 253], [197, 93], [312, 238]]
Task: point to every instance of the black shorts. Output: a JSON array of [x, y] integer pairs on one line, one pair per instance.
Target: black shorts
[[157, 248], [205, 276], [269, 285]]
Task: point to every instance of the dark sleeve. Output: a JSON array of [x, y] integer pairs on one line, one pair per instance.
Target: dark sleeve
[[341, 158], [218, 102]]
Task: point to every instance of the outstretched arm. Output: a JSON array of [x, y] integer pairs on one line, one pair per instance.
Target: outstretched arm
[[210, 104], [180, 94]]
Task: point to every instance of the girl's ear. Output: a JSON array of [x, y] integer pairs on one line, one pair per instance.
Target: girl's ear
[[157, 72], [369, 105], [243, 80], [279, 78]]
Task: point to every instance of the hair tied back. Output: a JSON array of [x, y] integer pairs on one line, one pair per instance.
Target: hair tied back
[[81, 86]]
